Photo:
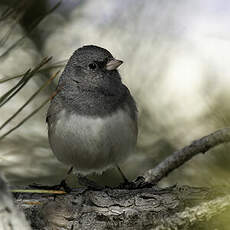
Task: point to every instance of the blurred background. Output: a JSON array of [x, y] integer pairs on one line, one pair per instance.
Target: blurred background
[[176, 64]]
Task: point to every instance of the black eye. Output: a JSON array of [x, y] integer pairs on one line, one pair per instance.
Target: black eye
[[92, 66]]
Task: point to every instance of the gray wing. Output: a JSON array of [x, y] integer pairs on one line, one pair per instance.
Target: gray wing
[[132, 110], [54, 108]]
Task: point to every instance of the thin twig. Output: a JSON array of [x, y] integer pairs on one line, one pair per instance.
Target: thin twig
[[54, 65], [4, 96], [31, 29], [179, 157], [30, 99], [30, 115], [15, 12], [6, 36], [25, 119], [28, 75], [5, 79], [42, 191], [17, 8]]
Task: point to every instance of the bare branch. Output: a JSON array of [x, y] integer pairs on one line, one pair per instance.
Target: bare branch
[[199, 213], [179, 157]]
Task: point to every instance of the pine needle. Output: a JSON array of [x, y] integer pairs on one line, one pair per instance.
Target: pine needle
[[30, 99]]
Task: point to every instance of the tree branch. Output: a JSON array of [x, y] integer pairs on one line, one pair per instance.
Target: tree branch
[[199, 213], [179, 157]]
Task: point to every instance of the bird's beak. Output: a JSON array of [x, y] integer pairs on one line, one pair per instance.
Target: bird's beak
[[113, 64]]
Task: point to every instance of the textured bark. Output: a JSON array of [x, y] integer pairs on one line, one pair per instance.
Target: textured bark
[[146, 208]]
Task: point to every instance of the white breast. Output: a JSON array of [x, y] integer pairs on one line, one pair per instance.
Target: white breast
[[93, 144]]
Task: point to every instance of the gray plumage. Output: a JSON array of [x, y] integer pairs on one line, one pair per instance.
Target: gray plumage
[[92, 121]]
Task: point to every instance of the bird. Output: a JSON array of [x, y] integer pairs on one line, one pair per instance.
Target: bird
[[92, 119]]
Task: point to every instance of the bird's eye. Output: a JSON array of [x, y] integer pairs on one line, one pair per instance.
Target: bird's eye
[[92, 66]]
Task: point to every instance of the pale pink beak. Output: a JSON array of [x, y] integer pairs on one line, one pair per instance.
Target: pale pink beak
[[113, 64]]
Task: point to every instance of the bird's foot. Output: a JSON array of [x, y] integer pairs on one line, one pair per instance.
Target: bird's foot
[[84, 181], [136, 184]]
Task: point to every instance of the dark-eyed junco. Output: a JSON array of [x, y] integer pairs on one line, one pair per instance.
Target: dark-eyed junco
[[92, 120]]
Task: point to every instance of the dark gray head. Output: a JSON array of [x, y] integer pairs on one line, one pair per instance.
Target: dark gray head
[[91, 57], [91, 84], [92, 68]]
